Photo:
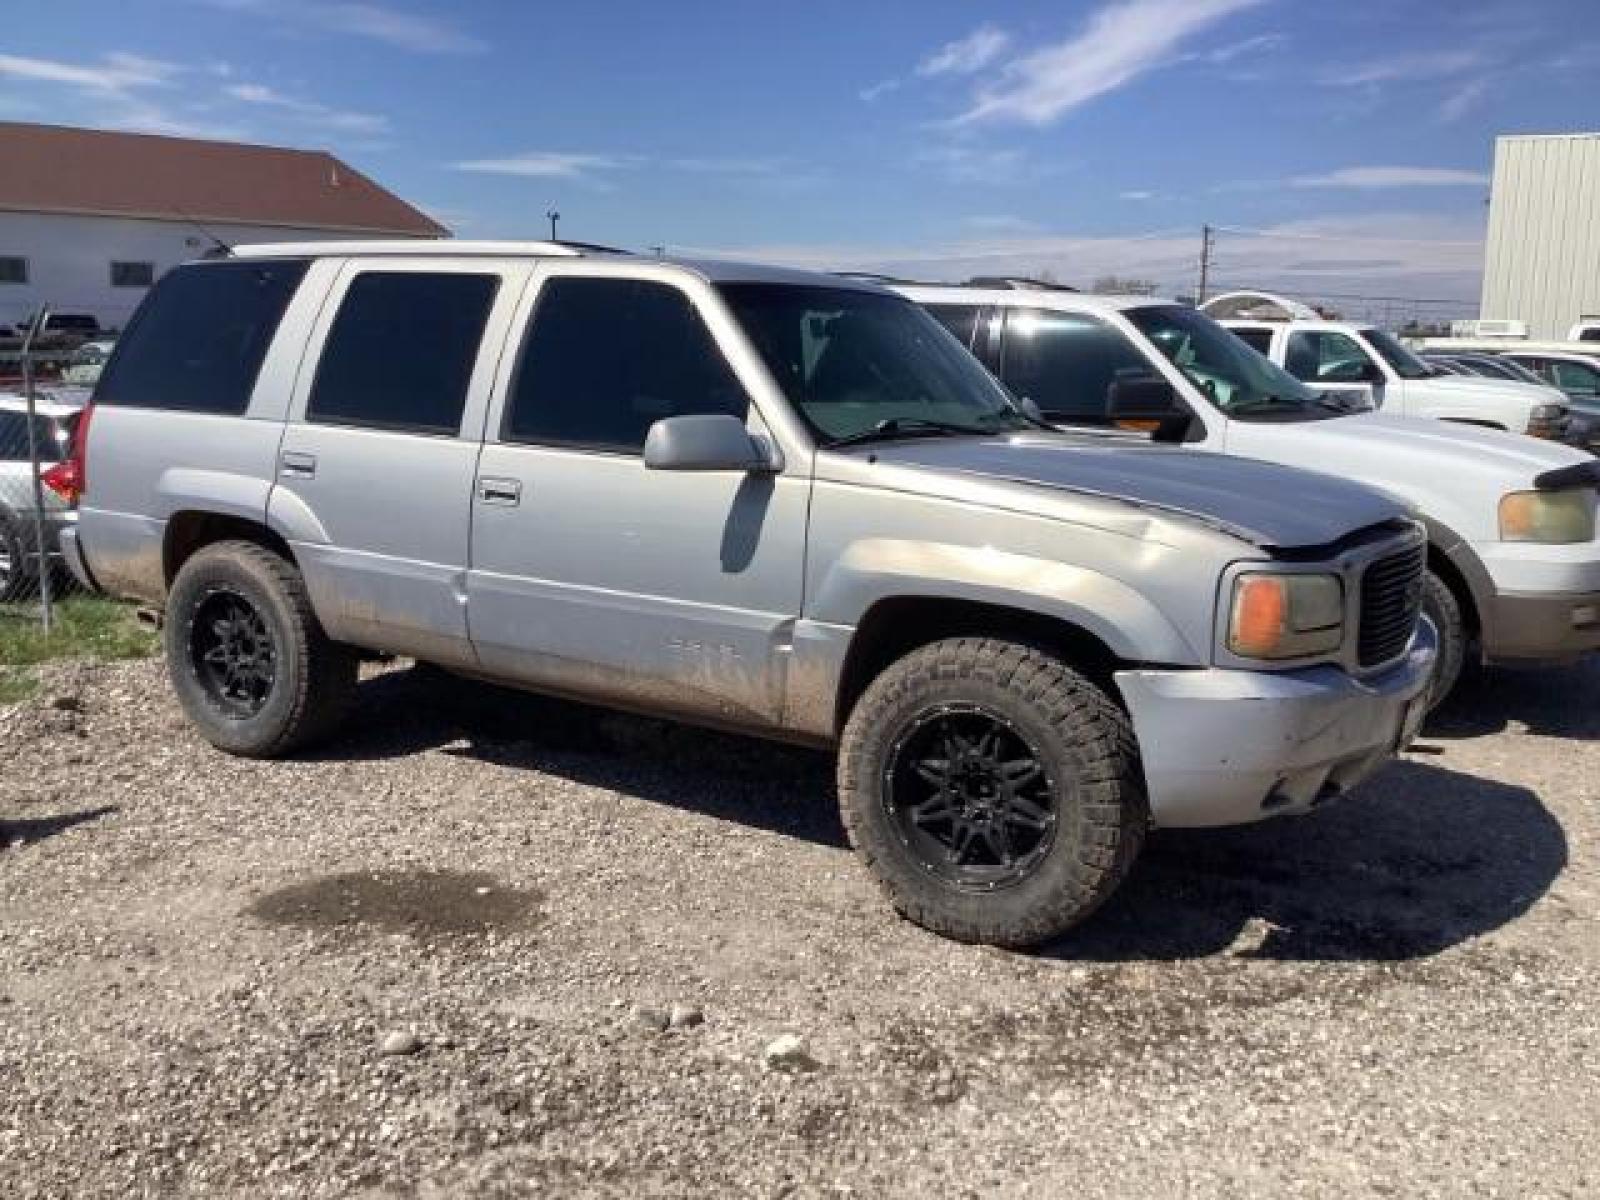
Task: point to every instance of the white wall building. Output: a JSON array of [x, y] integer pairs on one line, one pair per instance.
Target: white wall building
[[1542, 262], [89, 218]]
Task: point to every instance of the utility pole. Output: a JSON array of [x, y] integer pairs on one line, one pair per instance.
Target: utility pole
[[1208, 239], [554, 217]]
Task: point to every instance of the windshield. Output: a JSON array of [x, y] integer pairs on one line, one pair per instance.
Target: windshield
[[1406, 364], [1242, 383], [850, 360]]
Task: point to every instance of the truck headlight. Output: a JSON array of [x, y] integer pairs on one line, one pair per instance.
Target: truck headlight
[[1286, 616], [1552, 518], [1547, 420]]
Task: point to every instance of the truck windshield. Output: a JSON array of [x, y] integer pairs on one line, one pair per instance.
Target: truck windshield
[[1244, 384], [1406, 364], [856, 362]]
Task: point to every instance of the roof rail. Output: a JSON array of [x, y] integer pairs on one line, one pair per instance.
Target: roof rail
[[420, 247], [875, 277], [1018, 283]]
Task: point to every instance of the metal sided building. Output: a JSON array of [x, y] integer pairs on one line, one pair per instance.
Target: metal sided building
[[1542, 261]]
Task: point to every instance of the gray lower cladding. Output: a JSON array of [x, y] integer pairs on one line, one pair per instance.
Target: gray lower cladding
[[1544, 628], [1226, 747]]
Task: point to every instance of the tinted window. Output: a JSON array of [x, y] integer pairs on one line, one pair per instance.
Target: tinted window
[[197, 341], [1259, 340], [132, 274], [13, 270], [1066, 363], [960, 319], [1592, 334], [1575, 377], [401, 351], [604, 359], [1326, 357], [52, 437]]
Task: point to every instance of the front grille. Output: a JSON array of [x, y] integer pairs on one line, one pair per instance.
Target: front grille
[[1391, 599]]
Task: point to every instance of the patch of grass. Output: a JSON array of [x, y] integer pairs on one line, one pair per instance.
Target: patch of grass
[[84, 627]]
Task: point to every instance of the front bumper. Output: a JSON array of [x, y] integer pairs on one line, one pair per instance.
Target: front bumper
[[1225, 747], [1546, 602]]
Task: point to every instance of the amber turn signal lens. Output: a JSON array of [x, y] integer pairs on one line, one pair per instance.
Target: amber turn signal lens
[[1260, 616]]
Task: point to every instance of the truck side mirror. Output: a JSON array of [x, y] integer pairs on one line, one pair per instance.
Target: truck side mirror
[[1151, 403], [706, 443]]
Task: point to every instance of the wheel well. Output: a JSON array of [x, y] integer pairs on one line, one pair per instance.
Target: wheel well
[[893, 628], [190, 531], [1439, 563]]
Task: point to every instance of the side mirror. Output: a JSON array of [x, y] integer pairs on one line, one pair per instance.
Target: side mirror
[[706, 443], [1151, 403]]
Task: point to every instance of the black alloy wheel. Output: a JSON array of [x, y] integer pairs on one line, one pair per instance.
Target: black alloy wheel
[[235, 656], [970, 798]]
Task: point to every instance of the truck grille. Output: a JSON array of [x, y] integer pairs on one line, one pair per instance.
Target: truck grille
[[1391, 600]]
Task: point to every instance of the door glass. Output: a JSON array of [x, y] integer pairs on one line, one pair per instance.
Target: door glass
[[604, 359], [1259, 340], [960, 319], [1325, 356], [401, 351], [1066, 363], [1575, 377]]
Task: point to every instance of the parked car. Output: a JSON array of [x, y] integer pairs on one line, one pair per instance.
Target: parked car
[[1513, 562], [87, 361], [1586, 330], [1373, 366], [54, 423], [1583, 404], [780, 502]]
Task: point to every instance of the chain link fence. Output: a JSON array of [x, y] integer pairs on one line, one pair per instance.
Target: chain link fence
[[39, 412]]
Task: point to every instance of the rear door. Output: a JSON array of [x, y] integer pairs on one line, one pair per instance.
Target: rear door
[[377, 461], [594, 575]]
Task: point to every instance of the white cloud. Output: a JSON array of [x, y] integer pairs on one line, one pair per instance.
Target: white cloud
[[1462, 100], [116, 72], [966, 55], [547, 164], [1392, 177], [1137, 195], [375, 22], [977, 164], [1403, 68], [309, 111], [879, 89], [1120, 43], [999, 223], [1261, 43]]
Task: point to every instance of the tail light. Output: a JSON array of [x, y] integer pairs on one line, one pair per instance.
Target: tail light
[[69, 478]]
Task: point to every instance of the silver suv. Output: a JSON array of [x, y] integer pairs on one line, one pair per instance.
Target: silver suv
[[784, 503]]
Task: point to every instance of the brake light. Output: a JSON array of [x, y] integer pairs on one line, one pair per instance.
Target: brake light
[[69, 478]]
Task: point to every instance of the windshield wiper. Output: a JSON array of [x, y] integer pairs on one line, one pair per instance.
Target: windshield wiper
[[1268, 403], [894, 427]]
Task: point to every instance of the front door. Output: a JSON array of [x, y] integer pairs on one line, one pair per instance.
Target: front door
[[1330, 361], [593, 575]]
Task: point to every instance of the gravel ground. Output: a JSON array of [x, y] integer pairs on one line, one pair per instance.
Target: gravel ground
[[489, 945]]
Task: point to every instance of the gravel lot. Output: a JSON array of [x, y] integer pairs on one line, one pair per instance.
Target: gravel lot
[[437, 961]]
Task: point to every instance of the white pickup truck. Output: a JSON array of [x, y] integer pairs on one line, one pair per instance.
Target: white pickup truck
[[1370, 365]]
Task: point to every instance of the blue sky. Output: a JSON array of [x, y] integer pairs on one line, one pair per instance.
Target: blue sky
[[1343, 146]]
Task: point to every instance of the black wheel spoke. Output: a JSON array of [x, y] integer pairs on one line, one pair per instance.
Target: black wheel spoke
[[971, 797], [233, 653]]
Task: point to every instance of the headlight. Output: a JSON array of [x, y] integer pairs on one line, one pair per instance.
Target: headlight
[[1552, 518], [1547, 420], [1286, 616]]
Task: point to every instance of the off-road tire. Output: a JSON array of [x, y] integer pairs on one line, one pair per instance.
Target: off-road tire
[[1439, 605], [315, 677], [1101, 810]]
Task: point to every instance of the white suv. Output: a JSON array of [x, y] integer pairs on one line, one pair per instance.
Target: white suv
[[1514, 562], [1370, 364]]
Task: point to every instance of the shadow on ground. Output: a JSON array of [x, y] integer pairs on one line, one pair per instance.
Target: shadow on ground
[[1555, 702], [1417, 860], [37, 829], [764, 785]]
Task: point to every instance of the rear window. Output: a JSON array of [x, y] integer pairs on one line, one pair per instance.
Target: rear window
[[197, 342], [401, 351]]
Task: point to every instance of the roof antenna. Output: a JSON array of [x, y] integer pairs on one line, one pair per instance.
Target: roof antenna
[[219, 248]]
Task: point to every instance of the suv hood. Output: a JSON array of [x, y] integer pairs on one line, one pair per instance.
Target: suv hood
[[1447, 386], [1268, 505]]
